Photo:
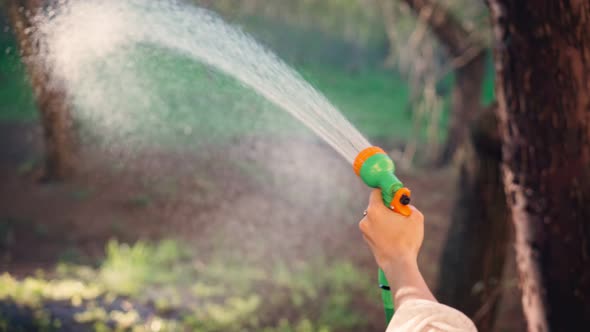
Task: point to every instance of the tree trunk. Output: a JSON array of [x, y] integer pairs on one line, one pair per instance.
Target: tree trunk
[[470, 277], [475, 252], [469, 63], [466, 103], [50, 96], [542, 56], [388, 12]]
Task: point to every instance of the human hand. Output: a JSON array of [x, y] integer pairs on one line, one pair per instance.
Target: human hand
[[394, 239]]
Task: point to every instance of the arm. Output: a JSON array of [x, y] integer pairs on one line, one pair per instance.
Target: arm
[[406, 282], [395, 241]]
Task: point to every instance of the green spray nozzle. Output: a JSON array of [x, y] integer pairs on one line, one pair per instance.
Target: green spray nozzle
[[377, 170]]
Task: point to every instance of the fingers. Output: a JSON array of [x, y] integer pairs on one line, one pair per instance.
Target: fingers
[[416, 214], [365, 229], [364, 225], [375, 197], [378, 212], [369, 241], [376, 203]]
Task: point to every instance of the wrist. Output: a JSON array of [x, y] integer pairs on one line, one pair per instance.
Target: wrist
[[397, 267], [405, 280]]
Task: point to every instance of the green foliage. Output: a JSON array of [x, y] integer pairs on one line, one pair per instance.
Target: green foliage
[[128, 269], [215, 295], [354, 20], [91, 314], [304, 325], [32, 292], [374, 101], [16, 96], [234, 314]]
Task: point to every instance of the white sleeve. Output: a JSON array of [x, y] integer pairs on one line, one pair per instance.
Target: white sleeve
[[429, 316]]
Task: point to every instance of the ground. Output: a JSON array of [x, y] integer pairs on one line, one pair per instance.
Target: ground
[[224, 214]]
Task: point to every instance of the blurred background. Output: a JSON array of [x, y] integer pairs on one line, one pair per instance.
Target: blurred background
[[157, 194]]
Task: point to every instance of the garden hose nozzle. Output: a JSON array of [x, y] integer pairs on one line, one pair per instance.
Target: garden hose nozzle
[[376, 170]]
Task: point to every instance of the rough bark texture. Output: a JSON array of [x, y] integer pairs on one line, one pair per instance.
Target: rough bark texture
[[50, 98], [469, 61], [543, 86], [470, 277]]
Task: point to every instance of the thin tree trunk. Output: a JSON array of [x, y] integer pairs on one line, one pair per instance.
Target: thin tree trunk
[[469, 63], [466, 104], [50, 97], [470, 277], [389, 13], [543, 86]]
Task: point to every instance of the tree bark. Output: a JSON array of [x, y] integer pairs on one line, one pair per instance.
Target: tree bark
[[50, 96], [542, 54], [469, 63], [470, 277]]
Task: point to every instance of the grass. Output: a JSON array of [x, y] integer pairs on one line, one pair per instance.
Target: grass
[[373, 100], [164, 286]]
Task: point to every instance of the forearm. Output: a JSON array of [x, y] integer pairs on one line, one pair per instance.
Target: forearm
[[416, 307], [406, 281]]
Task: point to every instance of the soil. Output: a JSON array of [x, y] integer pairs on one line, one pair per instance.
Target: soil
[[262, 200]]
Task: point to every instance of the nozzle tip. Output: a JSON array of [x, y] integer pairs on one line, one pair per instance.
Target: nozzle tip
[[400, 201], [405, 200], [363, 156]]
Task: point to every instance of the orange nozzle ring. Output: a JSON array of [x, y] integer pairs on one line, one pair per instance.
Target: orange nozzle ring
[[363, 156], [396, 203]]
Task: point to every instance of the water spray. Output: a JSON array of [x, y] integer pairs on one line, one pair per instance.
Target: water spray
[[82, 37], [377, 170]]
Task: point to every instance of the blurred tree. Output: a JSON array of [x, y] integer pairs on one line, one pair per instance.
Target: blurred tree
[[468, 63], [473, 259], [472, 263], [50, 97], [542, 54], [418, 56], [351, 19]]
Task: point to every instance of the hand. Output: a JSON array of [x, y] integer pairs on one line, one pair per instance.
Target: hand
[[394, 239]]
